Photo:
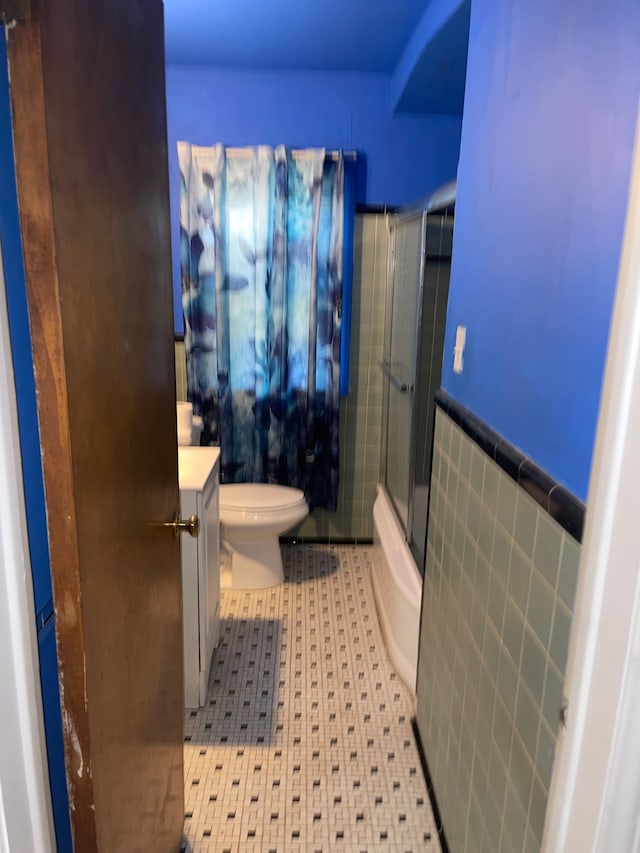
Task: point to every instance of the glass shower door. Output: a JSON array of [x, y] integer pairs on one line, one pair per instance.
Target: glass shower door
[[430, 344], [405, 273], [417, 296]]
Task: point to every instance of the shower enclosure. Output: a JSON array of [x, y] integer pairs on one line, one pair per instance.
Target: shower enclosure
[[419, 266]]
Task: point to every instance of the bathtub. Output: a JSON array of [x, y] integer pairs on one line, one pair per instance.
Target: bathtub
[[397, 586]]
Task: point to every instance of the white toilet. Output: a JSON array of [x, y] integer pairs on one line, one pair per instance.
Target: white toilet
[[252, 517]]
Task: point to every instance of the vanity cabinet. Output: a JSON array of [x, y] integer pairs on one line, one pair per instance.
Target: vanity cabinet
[[198, 469]]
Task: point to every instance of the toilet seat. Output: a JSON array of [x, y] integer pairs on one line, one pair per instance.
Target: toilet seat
[[259, 498]]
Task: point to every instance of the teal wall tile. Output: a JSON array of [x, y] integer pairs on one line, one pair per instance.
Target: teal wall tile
[[537, 809], [545, 754], [483, 574], [560, 635], [476, 476], [533, 666], [507, 493], [492, 812], [497, 600], [507, 679], [454, 450], [540, 607], [361, 410], [501, 555], [465, 455], [485, 538], [496, 607], [490, 486], [568, 573], [506, 845], [527, 721], [520, 772], [513, 631], [524, 530], [475, 826], [552, 695], [491, 653], [503, 732], [473, 515], [546, 557], [520, 572], [515, 822]]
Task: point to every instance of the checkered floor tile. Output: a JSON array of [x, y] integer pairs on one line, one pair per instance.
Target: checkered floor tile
[[305, 743]]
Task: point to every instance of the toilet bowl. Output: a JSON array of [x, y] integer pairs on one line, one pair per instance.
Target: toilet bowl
[[252, 517]]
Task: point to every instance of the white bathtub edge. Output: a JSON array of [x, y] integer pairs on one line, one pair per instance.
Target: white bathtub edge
[[398, 590]]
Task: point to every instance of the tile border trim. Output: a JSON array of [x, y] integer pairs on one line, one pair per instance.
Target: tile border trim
[[326, 540], [437, 818], [559, 502]]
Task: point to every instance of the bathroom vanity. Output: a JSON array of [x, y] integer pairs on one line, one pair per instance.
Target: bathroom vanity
[[198, 470]]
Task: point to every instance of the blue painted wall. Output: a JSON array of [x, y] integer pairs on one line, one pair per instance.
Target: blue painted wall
[[549, 117], [404, 156], [430, 75]]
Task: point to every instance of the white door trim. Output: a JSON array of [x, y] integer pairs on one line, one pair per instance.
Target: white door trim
[[26, 822], [594, 800]]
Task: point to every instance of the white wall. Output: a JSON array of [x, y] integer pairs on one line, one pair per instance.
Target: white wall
[[595, 794], [26, 823]]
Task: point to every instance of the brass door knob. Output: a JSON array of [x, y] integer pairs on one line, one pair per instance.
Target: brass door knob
[[180, 525]]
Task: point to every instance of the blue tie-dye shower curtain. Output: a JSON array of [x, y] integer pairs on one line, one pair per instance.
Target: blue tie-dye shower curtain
[[261, 260]]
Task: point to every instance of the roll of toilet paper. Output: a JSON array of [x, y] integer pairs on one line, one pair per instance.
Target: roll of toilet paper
[[184, 438], [184, 418], [184, 415], [196, 429]]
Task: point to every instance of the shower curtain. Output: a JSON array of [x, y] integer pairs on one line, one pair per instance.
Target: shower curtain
[[261, 260]]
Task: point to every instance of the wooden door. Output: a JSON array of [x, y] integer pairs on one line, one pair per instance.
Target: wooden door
[[87, 89]]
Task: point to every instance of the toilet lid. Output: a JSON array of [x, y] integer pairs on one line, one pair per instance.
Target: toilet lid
[[259, 496]]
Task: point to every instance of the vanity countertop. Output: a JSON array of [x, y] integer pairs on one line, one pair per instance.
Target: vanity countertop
[[195, 465]]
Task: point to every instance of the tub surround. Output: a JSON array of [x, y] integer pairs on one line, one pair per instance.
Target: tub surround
[[361, 410], [502, 560]]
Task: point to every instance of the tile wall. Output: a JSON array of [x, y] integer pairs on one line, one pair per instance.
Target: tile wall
[[498, 596], [361, 410]]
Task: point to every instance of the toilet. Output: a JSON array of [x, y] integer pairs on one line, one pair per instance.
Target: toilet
[[252, 517]]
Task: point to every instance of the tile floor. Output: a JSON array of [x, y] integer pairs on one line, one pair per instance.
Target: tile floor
[[305, 743]]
